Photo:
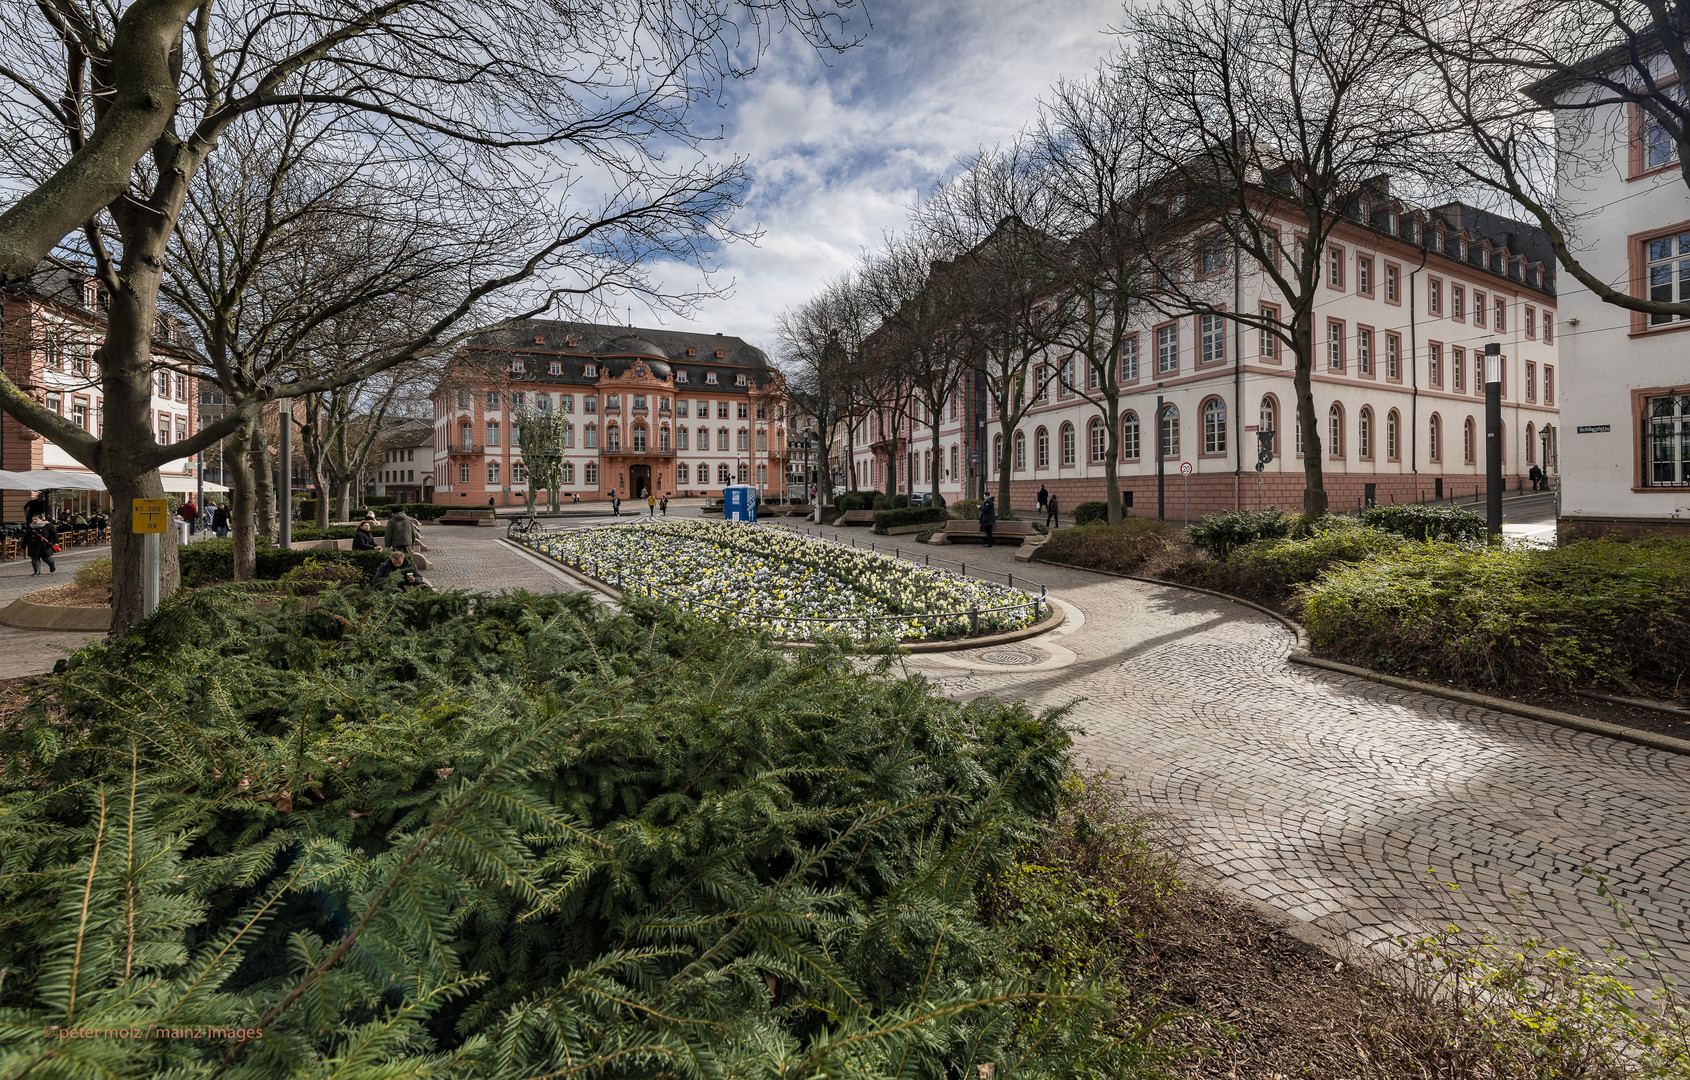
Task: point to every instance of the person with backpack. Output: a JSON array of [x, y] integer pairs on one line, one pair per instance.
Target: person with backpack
[[988, 517], [401, 532], [1052, 519], [41, 540]]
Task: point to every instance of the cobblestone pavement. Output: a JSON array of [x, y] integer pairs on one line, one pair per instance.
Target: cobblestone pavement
[[1369, 811], [476, 558]]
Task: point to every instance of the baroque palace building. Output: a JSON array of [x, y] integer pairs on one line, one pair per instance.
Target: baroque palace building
[[1409, 299], [664, 411]]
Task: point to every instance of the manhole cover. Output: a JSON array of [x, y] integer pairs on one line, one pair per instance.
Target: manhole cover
[[1010, 658]]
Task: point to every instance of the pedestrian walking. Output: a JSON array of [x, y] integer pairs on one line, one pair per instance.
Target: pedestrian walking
[[1044, 497], [35, 506], [615, 505], [190, 513], [220, 518], [663, 504], [650, 506], [1052, 519], [401, 531], [989, 517], [41, 540]]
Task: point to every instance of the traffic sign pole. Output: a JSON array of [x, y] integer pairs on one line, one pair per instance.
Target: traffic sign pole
[[1185, 475], [147, 518]]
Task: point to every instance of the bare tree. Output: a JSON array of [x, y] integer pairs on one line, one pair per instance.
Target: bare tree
[[821, 349], [1537, 97], [112, 112], [999, 213], [1272, 120]]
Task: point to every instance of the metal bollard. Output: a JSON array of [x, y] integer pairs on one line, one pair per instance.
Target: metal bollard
[[974, 621], [1011, 580]]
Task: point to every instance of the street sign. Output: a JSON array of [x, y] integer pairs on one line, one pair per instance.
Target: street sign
[[1185, 468], [148, 516]]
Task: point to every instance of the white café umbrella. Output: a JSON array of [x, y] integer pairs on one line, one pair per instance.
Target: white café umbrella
[[50, 479]]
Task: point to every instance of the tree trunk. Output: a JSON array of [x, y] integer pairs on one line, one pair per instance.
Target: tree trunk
[[323, 489], [1112, 457], [243, 508], [938, 459], [1314, 492], [128, 563], [343, 499], [263, 485]]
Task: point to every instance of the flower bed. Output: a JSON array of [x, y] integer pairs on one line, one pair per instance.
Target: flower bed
[[794, 586]]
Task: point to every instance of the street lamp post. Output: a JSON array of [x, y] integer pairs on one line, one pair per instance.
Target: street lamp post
[[1161, 463], [1493, 440]]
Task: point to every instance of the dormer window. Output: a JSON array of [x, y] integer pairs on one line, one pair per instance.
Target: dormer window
[[90, 293], [555, 368], [720, 354], [572, 342], [539, 339], [680, 376], [692, 350], [590, 370], [710, 378], [740, 381], [517, 367]]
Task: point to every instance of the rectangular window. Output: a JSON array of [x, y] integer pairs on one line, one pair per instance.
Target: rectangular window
[[1213, 331], [589, 403], [681, 408], [1267, 344], [1129, 358], [181, 388], [79, 412], [1666, 441], [1658, 149], [1531, 321], [56, 402], [1335, 345], [1531, 381], [591, 473], [1434, 296], [1457, 302], [1335, 266], [1393, 293], [1457, 365], [1478, 308], [1364, 350], [1435, 364], [492, 399], [743, 412], [1211, 256], [518, 400], [721, 410], [1364, 275], [1668, 271], [1548, 327], [1478, 372], [1167, 349], [1393, 356], [1548, 385], [492, 433], [1500, 323], [163, 380]]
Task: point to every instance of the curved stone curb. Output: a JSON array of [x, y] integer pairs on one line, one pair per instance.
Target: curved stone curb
[[1048, 623], [1302, 655], [1503, 705], [24, 614]]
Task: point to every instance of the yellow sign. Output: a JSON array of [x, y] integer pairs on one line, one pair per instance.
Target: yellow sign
[[149, 516]]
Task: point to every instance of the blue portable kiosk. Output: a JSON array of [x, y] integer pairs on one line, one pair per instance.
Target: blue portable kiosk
[[740, 503]]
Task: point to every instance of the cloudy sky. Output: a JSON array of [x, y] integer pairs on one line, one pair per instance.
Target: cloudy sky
[[839, 146]]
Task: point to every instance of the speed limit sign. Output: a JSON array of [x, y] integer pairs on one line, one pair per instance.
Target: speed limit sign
[[1185, 468]]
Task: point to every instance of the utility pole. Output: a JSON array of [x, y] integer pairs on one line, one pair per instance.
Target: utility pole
[[1493, 441], [1161, 464]]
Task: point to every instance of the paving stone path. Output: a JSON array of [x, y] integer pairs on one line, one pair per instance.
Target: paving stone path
[[1370, 811]]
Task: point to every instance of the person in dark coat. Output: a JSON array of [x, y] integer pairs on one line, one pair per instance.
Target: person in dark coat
[[398, 569], [220, 519], [1537, 478], [41, 540], [1044, 496], [989, 517], [35, 507], [1052, 519], [401, 531], [190, 513], [365, 538]]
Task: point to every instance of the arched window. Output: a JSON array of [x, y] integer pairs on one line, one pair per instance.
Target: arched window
[[590, 474], [568, 436], [1170, 431], [1335, 431], [997, 454], [1467, 441], [663, 438], [568, 472], [744, 444], [612, 437], [1020, 451], [1297, 426], [492, 433], [1268, 419], [1129, 436], [519, 474], [1068, 450], [926, 466], [721, 438], [953, 474], [1531, 437], [591, 441], [1097, 438], [704, 438], [723, 475], [1214, 426], [1434, 438], [1393, 422], [639, 437], [492, 472], [1364, 433], [1041, 445]]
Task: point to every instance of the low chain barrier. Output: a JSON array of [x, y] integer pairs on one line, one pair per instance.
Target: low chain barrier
[[612, 574]]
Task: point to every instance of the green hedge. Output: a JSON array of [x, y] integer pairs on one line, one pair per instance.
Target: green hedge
[[855, 500], [1427, 522], [420, 511], [380, 500], [966, 509], [912, 515], [333, 532], [1090, 513], [1120, 549], [206, 561], [1594, 612]]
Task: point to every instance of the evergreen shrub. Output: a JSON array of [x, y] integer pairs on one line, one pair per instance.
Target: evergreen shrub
[[965, 509], [1596, 612], [854, 500], [207, 561], [1221, 534], [1090, 513], [1427, 522], [417, 834]]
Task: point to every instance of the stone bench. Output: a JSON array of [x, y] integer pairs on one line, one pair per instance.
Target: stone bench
[[960, 531], [470, 515], [856, 517]]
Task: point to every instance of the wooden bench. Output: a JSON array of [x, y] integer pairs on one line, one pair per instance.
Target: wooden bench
[[801, 511], [960, 531], [856, 517], [470, 515]]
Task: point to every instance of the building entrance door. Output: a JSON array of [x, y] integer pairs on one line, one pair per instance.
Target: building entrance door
[[639, 480]]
